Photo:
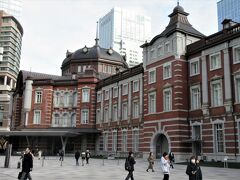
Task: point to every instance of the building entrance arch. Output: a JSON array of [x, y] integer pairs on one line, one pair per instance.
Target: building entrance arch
[[160, 144]]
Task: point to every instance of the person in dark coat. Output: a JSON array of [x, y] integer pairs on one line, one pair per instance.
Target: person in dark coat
[[61, 154], [27, 165], [132, 161], [77, 155], [87, 156], [198, 171], [171, 159], [192, 169]]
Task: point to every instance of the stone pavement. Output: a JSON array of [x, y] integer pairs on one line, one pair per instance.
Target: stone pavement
[[112, 169]]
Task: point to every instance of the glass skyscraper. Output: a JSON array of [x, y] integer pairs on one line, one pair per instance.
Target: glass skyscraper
[[228, 9], [125, 31]]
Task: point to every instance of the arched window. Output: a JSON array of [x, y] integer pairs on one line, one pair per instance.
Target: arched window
[[57, 99], [65, 120], [73, 120], [66, 99], [75, 99], [56, 119]]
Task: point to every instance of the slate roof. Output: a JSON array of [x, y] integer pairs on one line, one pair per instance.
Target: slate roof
[[178, 22], [36, 75]]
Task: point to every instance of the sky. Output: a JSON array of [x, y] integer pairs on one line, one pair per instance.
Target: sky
[[51, 27]]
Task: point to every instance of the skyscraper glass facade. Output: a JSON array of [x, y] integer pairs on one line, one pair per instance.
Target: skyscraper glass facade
[[228, 9]]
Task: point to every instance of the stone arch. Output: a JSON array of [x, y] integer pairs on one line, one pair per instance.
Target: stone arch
[[160, 143]]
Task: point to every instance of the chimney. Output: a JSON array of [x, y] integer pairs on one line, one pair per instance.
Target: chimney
[[227, 23]]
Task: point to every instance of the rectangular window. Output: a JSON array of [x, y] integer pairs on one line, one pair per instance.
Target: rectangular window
[[124, 111], [106, 96], [114, 140], [115, 113], [115, 92], [135, 140], [216, 93], [106, 115], [136, 86], [194, 68], [195, 97], [237, 55], [37, 117], [167, 99], [105, 141], [160, 51], [152, 52], [219, 142], [152, 76], [124, 141], [85, 95], [167, 71], [152, 102], [99, 97], [167, 47], [135, 111], [125, 89], [237, 87], [215, 61], [84, 116], [38, 96]]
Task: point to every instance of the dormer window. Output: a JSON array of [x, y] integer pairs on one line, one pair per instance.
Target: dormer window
[[85, 49]]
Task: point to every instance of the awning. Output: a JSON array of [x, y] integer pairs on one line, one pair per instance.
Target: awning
[[49, 132]]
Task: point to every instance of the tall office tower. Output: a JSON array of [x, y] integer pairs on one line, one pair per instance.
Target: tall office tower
[[125, 31], [11, 33], [12, 7], [228, 9]]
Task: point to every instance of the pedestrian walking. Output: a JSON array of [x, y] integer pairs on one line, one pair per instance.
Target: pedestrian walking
[[165, 165], [83, 155], [129, 165], [61, 155], [39, 154], [87, 156], [150, 161], [171, 159], [77, 155], [27, 165], [193, 169]]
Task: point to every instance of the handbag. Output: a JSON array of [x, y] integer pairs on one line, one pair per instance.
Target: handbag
[[19, 175]]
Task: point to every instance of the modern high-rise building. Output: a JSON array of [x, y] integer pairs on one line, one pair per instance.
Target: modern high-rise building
[[12, 7], [125, 31], [11, 33], [228, 9]]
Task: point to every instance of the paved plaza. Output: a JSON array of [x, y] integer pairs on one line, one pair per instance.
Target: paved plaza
[[106, 170]]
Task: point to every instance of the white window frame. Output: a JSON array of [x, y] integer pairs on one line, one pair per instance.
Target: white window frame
[[165, 107], [106, 114], [135, 140], [106, 94], [85, 95], [152, 107], [66, 99], [220, 101], [75, 98], [237, 89], [136, 86], [114, 140], [38, 97], [57, 120], [167, 47], [216, 138], [194, 61], [197, 104], [124, 111], [152, 53], [115, 112], [124, 140], [37, 119], [105, 141], [211, 61], [125, 89], [165, 65], [236, 57], [135, 109], [84, 116], [99, 96], [98, 116], [65, 118], [160, 50], [115, 92], [151, 76], [57, 99]]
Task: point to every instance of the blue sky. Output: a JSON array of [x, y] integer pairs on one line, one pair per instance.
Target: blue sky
[[51, 27]]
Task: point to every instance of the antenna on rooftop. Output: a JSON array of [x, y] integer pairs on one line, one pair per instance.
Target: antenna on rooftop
[[177, 2], [97, 39]]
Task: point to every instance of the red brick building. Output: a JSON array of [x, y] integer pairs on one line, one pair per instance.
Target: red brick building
[[183, 98]]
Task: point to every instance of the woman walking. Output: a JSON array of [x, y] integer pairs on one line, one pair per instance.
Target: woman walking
[[150, 161]]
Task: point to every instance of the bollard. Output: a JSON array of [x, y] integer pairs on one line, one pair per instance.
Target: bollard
[[42, 162], [103, 161]]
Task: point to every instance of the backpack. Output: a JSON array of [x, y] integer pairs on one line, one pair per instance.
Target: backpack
[[127, 165]]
